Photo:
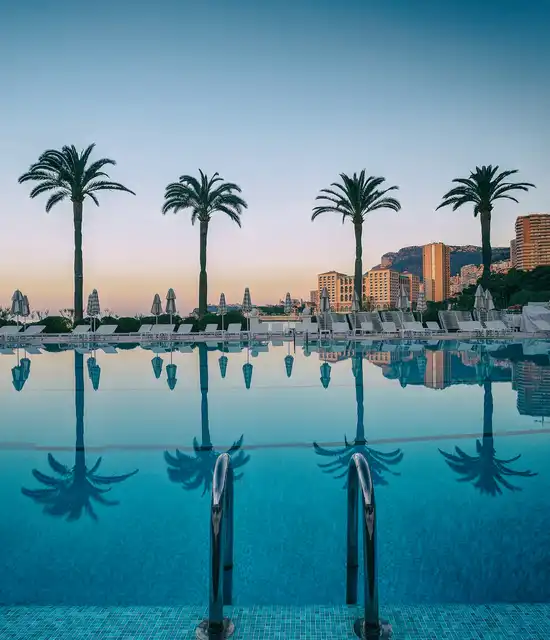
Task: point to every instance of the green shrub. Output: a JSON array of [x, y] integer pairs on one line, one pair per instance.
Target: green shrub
[[56, 324], [127, 325]]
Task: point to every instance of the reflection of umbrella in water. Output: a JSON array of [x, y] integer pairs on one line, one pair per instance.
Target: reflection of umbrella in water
[[223, 365], [74, 490], [94, 372], [247, 373], [325, 374], [171, 370], [18, 378], [157, 362], [379, 461], [194, 471], [487, 472]]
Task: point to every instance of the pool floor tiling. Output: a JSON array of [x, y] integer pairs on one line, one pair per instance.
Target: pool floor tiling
[[442, 622]]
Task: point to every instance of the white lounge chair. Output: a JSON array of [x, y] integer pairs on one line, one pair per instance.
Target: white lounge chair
[[162, 329], [470, 326], [389, 327], [144, 330], [541, 325], [277, 328], [496, 327], [234, 329], [341, 328], [261, 329], [311, 329], [33, 330], [9, 330], [433, 327], [210, 329], [414, 328], [367, 327], [80, 330], [105, 330], [184, 329]]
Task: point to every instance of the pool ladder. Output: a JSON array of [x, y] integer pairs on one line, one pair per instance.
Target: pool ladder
[[360, 491]]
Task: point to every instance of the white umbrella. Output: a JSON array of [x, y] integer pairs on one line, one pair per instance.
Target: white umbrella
[[479, 301], [247, 305], [171, 303], [17, 304], [421, 305], [288, 304], [402, 300], [93, 309], [489, 302], [156, 309], [26, 307], [222, 308]]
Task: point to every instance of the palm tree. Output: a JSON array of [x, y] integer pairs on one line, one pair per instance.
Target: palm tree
[[68, 174], [195, 471], [482, 188], [204, 197], [355, 198], [73, 491], [487, 472], [379, 461]]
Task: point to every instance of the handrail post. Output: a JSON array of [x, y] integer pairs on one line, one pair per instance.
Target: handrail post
[[221, 553], [360, 487]]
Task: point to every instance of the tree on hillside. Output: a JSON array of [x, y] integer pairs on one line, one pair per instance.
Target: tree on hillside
[[354, 198], [68, 174], [204, 197], [482, 188]]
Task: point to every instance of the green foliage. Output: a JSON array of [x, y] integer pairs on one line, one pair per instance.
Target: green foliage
[[278, 310], [430, 315], [162, 319], [211, 318], [125, 324], [56, 324]]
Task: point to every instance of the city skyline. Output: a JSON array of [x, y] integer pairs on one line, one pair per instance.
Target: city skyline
[[279, 130]]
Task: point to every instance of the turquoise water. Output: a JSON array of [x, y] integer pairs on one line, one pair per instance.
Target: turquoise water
[[485, 539]]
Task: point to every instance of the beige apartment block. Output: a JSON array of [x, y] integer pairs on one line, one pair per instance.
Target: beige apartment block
[[532, 246], [436, 269]]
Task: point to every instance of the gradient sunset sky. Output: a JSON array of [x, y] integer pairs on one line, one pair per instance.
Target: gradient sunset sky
[[279, 97]]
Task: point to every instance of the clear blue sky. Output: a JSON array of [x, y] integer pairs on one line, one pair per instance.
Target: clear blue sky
[[279, 97]]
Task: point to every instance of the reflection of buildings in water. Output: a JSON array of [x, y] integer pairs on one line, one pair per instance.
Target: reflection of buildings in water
[[532, 382], [438, 369], [333, 356], [381, 357]]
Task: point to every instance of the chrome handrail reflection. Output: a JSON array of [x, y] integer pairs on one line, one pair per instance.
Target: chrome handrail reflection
[[359, 477], [221, 552]]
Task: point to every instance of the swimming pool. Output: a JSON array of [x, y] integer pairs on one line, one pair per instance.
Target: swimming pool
[[454, 433]]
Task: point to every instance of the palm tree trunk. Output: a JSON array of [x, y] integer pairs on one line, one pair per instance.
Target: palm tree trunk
[[203, 280], [488, 409], [80, 454], [359, 399], [358, 276], [203, 377], [486, 252], [78, 275]]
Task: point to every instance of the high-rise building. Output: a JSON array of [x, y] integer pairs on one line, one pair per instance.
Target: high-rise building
[[436, 269], [339, 288], [314, 298], [381, 288], [532, 241], [513, 258], [411, 284]]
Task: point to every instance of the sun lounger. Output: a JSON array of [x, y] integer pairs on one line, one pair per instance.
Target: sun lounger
[[260, 329], [434, 327], [9, 330], [145, 329], [541, 325], [367, 327], [80, 330], [470, 326], [33, 350], [414, 328], [6, 351], [33, 330], [234, 329], [340, 328], [162, 329], [210, 329], [184, 329], [496, 327], [311, 329], [105, 330], [107, 348], [389, 327]]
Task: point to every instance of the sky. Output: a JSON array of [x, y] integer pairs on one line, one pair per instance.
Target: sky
[[279, 97]]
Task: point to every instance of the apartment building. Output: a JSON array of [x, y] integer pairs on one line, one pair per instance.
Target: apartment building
[[436, 269], [532, 245]]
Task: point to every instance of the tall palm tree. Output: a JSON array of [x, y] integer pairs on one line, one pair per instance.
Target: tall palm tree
[[195, 471], [68, 174], [354, 198], [379, 461], [204, 197], [73, 491], [482, 188], [487, 472]]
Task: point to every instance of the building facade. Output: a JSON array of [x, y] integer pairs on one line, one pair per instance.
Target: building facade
[[436, 270], [314, 298], [411, 284], [455, 288], [513, 259], [339, 288], [381, 288], [532, 241]]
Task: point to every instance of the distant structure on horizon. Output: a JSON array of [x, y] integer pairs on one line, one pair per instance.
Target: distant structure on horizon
[[436, 270], [532, 243]]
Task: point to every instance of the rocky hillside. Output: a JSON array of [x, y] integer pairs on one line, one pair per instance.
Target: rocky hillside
[[410, 258]]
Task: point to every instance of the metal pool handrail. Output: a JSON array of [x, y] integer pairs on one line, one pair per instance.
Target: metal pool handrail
[[359, 478], [221, 551]]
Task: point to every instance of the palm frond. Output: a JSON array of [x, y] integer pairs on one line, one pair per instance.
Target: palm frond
[[58, 196]]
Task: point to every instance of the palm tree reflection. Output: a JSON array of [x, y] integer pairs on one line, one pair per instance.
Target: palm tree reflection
[[73, 490], [194, 471], [487, 472], [380, 462]]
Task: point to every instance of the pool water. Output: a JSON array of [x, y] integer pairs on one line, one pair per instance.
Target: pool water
[[99, 508]]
